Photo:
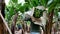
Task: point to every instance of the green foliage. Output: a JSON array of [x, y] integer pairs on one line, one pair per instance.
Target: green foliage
[[15, 1], [14, 7], [33, 3], [44, 2], [51, 7], [24, 8]]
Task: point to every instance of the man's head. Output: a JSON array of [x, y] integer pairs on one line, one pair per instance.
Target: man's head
[[37, 13]]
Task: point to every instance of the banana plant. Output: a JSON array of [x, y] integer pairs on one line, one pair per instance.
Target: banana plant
[[14, 7], [51, 6]]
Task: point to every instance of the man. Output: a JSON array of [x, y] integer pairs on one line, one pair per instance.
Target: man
[[36, 20]]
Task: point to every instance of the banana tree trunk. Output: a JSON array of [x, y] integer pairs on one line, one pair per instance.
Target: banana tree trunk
[[14, 23], [49, 23], [2, 26]]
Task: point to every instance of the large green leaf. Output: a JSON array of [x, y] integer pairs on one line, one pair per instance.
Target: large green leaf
[[52, 6], [44, 2], [10, 12], [21, 9], [58, 1], [29, 3], [15, 1], [33, 3], [26, 6]]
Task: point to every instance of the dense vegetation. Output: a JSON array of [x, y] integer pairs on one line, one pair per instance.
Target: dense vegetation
[[14, 12]]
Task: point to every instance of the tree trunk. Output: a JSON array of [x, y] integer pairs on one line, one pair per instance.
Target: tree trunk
[[49, 23], [2, 26], [14, 23]]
